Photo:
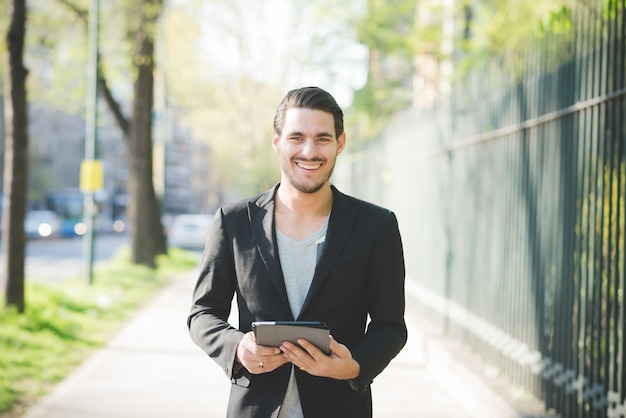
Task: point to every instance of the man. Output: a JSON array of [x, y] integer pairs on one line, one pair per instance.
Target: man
[[302, 251]]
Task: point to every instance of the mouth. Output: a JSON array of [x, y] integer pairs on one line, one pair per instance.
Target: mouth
[[309, 165]]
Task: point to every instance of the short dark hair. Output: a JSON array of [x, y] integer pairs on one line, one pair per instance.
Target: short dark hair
[[309, 98]]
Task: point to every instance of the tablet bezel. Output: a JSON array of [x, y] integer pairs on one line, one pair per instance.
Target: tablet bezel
[[273, 333]]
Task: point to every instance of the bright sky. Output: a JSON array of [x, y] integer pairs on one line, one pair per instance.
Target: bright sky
[[279, 42]]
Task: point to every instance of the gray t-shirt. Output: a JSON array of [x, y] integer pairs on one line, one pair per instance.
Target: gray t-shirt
[[298, 260]]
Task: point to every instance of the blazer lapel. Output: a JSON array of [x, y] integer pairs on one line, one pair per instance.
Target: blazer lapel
[[261, 214], [342, 220]]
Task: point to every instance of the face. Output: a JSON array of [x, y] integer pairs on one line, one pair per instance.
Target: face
[[308, 148]]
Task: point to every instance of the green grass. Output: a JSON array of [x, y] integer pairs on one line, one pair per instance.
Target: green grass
[[64, 322]]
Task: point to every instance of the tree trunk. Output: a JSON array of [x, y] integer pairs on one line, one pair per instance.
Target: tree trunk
[[16, 161], [147, 236]]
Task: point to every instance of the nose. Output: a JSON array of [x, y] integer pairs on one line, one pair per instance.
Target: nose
[[308, 148]]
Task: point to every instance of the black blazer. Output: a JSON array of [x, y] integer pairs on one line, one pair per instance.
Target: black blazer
[[360, 274]]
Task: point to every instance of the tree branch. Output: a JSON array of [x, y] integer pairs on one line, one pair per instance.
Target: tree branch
[[114, 106], [103, 86]]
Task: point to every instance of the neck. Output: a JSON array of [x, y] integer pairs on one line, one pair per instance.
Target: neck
[[304, 204]]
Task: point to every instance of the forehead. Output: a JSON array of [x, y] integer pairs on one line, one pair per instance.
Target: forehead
[[298, 119]]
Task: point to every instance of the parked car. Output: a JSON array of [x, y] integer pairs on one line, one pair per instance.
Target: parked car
[[41, 224], [189, 231]]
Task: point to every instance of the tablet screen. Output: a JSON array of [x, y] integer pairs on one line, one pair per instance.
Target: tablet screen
[[273, 333]]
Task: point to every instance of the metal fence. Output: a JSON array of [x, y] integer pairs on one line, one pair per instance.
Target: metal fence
[[511, 199]]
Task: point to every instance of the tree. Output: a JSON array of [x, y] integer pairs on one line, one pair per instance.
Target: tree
[[16, 160], [147, 235]]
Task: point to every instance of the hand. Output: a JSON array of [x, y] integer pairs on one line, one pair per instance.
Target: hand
[[338, 365], [258, 358]]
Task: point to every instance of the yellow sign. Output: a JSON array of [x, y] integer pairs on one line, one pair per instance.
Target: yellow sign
[[91, 176]]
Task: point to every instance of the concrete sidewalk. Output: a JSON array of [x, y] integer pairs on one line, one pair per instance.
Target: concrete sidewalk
[[152, 369]]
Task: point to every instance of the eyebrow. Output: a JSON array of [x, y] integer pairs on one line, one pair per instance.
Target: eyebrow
[[319, 135]]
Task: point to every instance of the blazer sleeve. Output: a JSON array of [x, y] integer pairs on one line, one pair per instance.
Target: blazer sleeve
[[212, 300], [386, 332]]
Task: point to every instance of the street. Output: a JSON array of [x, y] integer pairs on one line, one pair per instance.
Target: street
[[56, 259]]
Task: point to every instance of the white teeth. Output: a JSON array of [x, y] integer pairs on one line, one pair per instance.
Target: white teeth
[[309, 166]]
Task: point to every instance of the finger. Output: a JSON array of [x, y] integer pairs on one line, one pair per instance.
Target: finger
[[294, 353], [263, 350], [310, 348], [290, 349], [277, 358], [337, 348], [307, 356]]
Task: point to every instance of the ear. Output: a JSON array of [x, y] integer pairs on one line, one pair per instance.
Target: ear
[[275, 141], [341, 143]]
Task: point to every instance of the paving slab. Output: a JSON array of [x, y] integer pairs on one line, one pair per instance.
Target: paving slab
[[151, 369]]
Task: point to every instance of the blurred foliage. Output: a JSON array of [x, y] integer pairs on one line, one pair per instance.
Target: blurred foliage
[[231, 108], [387, 26], [511, 30], [233, 113], [497, 26], [5, 19], [387, 29], [243, 162], [57, 51], [463, 34], [55, 55], [64, 322], [4, 27], [227, 87]]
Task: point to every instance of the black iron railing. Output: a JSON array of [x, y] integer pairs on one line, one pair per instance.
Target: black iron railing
[[512, 202]]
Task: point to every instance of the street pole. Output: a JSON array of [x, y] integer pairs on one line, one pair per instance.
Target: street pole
[[88, 176]]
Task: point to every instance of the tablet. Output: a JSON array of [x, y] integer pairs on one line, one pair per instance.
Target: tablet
[[273, 333]]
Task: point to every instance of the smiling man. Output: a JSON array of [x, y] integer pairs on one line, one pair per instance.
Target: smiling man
[[308, 148], [302, 251]]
